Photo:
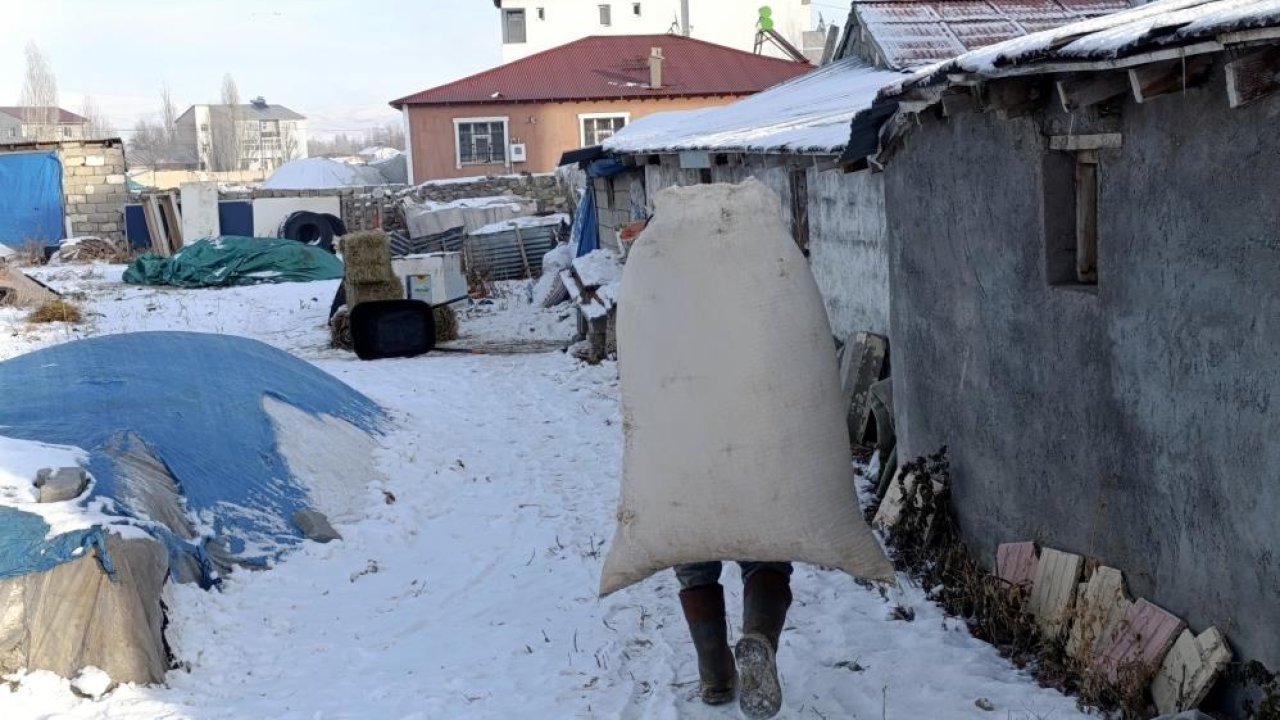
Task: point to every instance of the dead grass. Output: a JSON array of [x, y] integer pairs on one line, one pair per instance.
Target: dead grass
[[926, 544], [56, 311]]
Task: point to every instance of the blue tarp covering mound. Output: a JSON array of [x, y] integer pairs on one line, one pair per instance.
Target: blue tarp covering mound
[[194, 402]]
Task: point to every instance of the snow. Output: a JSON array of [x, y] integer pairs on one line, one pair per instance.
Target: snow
[[465, 585], [315, 173], [523, 222], [810, 113], [598, 267], [92, 682]]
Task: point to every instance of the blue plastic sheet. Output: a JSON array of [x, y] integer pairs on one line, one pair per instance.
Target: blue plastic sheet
[[195, 400], [585, 235], [30, 199]]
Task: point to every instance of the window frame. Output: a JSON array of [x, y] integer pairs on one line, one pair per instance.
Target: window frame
[[635, 9], [584, 117], [606, 14], [457, 139], [509, 13], [1070, 214]]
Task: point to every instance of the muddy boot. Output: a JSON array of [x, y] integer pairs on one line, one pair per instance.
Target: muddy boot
[[767, 597], [704, 610]]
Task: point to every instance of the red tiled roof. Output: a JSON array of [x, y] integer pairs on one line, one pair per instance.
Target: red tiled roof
[[617, 66], [64, 116], [919, 32]]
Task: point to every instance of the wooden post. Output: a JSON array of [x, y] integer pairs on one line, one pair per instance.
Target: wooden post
[[524, 257], [1087, 216]]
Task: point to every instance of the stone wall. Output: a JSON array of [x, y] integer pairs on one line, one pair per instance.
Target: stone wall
[[93, 186]]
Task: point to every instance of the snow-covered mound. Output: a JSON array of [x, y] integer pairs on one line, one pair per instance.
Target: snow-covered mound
[[318, 173]]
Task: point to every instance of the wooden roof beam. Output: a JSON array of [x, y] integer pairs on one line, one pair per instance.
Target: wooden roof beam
[[1081, 91], [1172, 76], [1253, 77]]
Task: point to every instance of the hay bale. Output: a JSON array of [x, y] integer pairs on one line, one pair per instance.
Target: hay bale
[[340, 329], [367, 274], [55, 311], [367, 256], [446, 324]]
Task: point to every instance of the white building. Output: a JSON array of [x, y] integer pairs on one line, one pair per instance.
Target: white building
[[531, 26], [256, 136]]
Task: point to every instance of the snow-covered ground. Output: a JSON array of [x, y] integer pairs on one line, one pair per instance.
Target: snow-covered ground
[[467, 587]]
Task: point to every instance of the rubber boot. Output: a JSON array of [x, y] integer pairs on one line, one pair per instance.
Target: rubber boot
[[704, 610], [764, 611]]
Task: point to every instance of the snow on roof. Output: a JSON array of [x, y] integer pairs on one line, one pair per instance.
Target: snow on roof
[[523, 222], [1161, 24], [919, 32], [313, 173], [810, 113]]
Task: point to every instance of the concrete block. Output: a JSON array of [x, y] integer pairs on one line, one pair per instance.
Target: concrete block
[[315, 526], [72, 161], [110, 227], [1054, 590], [1142, 640], [115, 179], [1101, 605], [1190, 670], [1016, 563], [75, 199], [89, 189], [95, 160], [71, 151], [62, 484]]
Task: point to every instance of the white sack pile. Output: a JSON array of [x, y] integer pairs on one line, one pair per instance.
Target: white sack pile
[[736, 444]]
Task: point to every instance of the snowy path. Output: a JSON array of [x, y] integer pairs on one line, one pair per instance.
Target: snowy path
[[472, 595]]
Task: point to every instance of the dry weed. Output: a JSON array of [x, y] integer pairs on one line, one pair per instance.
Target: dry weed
[[56, 311]]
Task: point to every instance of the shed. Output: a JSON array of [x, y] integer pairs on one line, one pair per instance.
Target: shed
[[53, 190], [1083, 291]]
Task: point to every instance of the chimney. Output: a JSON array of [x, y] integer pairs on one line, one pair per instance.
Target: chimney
[[655, 68], [684, 18]]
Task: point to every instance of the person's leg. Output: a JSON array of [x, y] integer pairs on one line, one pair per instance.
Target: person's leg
[[702, 599], [766, 599]]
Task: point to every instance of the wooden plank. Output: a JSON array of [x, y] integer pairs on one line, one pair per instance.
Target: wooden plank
[[1053, 591], [864, 366], [1016, 563], [1172, 76], [1101, 605], [1141, 642], [1190, 670], [1253, 77], [1082, 91], [155, 226], [1098, 141], [524, 257]]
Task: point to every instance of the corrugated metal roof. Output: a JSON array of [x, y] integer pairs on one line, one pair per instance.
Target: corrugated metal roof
[[64, 116], [913, 33], [617, 66]]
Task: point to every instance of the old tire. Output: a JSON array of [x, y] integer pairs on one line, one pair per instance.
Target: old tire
[[308, 228]]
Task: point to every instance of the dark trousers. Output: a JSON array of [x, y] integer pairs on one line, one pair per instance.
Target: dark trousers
[[708, 573]]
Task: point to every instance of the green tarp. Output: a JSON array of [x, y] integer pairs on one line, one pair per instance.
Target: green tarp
[[232, 260]]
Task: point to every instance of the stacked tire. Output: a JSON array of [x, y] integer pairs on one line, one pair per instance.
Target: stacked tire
[[312, 228]]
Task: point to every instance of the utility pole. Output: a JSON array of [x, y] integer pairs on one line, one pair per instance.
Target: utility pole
[[684, 17]]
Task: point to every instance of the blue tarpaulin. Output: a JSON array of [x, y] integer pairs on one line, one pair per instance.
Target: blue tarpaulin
[[196, 402], [30, 199], [585, 236]]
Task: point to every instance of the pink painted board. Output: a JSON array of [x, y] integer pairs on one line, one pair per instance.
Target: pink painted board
[[1016, 562], [1147, 633]]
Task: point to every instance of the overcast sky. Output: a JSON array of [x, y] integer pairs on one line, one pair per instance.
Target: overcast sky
[[336, 61]]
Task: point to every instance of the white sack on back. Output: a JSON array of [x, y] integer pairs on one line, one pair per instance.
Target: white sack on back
[[736, 444]]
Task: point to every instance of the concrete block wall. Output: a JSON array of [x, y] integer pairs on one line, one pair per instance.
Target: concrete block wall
[[94, 189]]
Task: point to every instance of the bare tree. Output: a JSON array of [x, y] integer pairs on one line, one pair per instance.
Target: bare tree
[[168, 116], [149, 144], [226, 120], [39, 96], [97, 127]]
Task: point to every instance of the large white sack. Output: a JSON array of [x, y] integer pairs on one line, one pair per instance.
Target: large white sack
[[736, 444]]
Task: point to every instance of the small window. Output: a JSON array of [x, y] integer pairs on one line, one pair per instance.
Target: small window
[[596, 130], [799, 182], [13, 132], [482, 142], [66, 131], [513, 26], [1070, 217], [606, 15], [542, 13], [635, 8]]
